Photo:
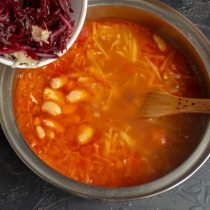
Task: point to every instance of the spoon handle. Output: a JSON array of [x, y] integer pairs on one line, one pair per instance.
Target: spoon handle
[[193, 105]]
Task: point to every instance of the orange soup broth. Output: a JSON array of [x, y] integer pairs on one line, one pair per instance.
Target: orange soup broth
[[98, 139]]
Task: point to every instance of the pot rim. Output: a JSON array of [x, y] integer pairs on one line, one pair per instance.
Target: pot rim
[[179, 175]]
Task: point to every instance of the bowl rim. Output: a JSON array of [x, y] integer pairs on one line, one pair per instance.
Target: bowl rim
[[176, 177]]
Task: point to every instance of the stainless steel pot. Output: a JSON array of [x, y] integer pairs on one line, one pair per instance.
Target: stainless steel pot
[[172, 25]]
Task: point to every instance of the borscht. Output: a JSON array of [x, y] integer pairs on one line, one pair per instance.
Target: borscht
[[78, 113]]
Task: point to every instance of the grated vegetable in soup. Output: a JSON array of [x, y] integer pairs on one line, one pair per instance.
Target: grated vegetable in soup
[[78, 114]]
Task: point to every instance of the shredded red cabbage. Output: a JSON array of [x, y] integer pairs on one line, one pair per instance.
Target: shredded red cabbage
[[17, 18]]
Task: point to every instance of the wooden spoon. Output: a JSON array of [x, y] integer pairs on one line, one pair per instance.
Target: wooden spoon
[[159, 105]]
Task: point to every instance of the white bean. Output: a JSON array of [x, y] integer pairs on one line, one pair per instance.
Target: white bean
[[76, 96], [85, 133], [51, 108], [160, 42], [49, 123], [54, 95], [58, 82], [53, 124], [40, 132]]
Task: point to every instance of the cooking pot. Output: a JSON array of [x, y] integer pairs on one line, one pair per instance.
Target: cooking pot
[[171, 25]]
